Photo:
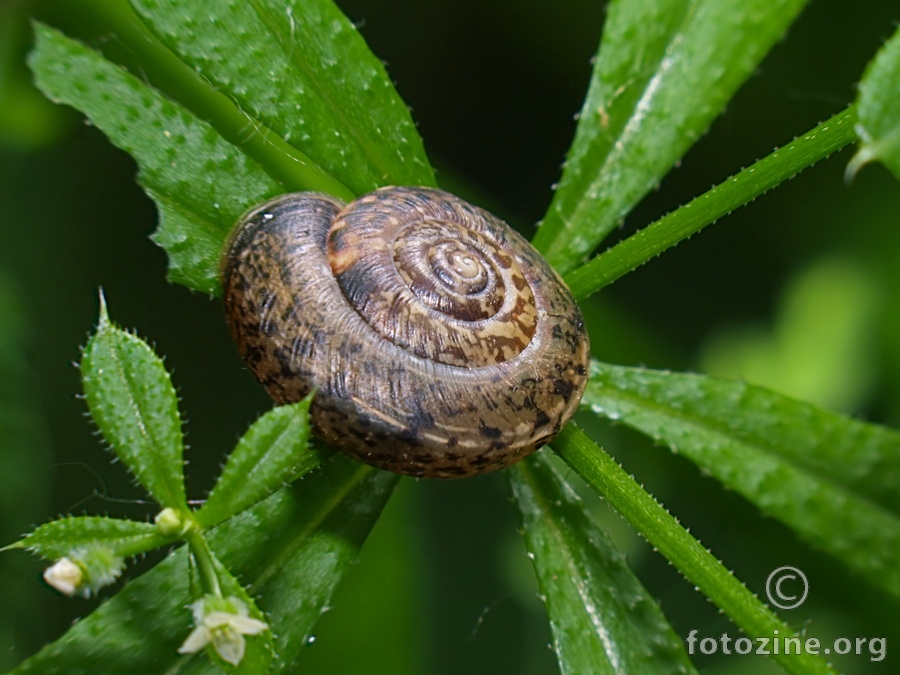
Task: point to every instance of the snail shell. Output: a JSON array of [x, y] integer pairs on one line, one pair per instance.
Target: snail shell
[[438, 341]]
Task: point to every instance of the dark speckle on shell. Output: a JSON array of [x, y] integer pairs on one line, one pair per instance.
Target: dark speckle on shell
[[438, 340]]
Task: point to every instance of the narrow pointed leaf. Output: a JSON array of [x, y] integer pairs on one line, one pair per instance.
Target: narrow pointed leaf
[[720, 200], [317, 84], [602, 618], [58, 538], [879, 110], [295, 587], [133, 403], [289, 551], [301, 69], [200, 182], [832, 479], [679, 547], [664, 70], [271, 454]]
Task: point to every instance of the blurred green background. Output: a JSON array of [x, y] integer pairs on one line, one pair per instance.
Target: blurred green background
[[797, 291]]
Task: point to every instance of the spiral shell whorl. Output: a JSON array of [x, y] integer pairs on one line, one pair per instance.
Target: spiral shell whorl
[[440, 343], [406, 261]]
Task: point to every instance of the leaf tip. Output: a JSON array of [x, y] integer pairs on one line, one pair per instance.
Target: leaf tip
[[103, 321], [13, 546]]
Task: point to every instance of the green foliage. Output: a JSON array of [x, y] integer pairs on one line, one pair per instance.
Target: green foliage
[[292, 139], [290, 550], [199, 181], [301, 70], [274, 450], [663, 531], [593, 600], [58, 538], [879, 110], [832, 479], [298, 548], [284, 95], [133, 402], [743, 187], [664, 71]]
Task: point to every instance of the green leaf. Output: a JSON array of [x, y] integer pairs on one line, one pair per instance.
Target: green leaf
[[830, 478], [879, 110], [336, 514], [388, 587], [602, 618], [57, 538], [720, 200], [679, 547], [302, 70], [200, 183], [316, 88], [665, 69], [289, 550], [133, 403], [272, 453]]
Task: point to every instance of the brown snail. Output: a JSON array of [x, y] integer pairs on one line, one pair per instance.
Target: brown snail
[[438, 341]]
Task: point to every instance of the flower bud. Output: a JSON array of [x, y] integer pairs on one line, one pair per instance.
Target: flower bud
[[65, 576], [85, 570], [170, 523]]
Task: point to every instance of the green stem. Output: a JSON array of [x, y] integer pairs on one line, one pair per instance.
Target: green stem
[[145, 544], [688, 555], [206, 567], [740, 189], [176, 79]]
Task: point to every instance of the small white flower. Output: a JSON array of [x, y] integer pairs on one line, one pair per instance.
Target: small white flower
[[222, 622], [65, 576]]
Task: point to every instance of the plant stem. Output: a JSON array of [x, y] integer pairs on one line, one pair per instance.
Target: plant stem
[[144, 545], [206, 567], [784, 163], [676, 544]]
